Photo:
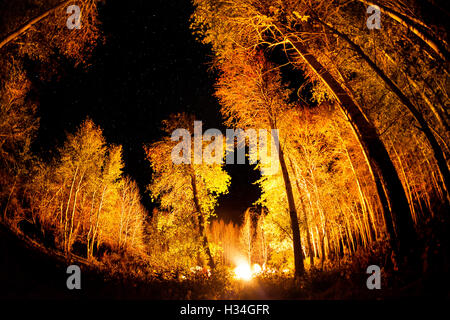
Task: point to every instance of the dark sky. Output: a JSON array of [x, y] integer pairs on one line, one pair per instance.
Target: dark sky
[[150, 66]]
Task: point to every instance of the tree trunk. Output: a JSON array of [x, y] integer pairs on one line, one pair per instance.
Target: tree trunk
[[438, 113], [88, 253], [305, 217], [69, 244], [436, 45], [424, 127], [201, 223], [322, 247], [297, 242], [67, 210], [376, 153], [365, 206], [308, 234]]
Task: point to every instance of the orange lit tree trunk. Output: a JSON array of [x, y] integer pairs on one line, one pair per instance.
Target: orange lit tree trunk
[[72, 218], [417, 27], [65, 227], [376, 153], [201, 222], [308, 234], [91, 225], [365, 206], [305, 218], [298, 255], [424, 127], [439, 113]]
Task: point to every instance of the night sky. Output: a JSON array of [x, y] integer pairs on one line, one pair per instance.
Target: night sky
[[149, 67]]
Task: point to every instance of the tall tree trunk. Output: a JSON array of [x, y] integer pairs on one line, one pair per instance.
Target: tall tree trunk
[[305, 217], [67, 210], [308, 233], [297, 242], [69, 244], [89, 254], [376, 153], [95, 234], [365, 206], [322, 247], [424, 127], [417, 27], [201, 223], [263, 239], [438, 113]]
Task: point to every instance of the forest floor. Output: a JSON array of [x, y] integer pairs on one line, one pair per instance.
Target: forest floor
[[30, 273]]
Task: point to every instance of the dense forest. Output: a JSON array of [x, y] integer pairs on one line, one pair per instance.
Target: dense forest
[[360, 176]]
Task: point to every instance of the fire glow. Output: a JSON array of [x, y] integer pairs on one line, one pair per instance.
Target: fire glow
[[244, 272]]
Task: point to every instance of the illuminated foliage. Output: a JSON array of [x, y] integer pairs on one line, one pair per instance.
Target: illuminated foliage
[[376, 79], [253, 96], [185, 190], [362, 160], [83, 197], [38, 35]]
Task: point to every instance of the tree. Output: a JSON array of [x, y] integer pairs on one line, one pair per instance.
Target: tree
[[425, 128], [377, 155], [252, 96], [18, 126], [46, 32], [82, 196], [35, 34], [335, 214], [334, 71], [189, 189], [419, 28], [247, 235]]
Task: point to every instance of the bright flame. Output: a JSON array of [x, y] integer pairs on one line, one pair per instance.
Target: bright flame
[[256, 268], [243, 272]]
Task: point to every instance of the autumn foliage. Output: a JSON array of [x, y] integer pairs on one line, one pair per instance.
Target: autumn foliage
[[363, 159]]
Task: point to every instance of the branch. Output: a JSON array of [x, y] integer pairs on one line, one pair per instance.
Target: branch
[[29, 24]]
